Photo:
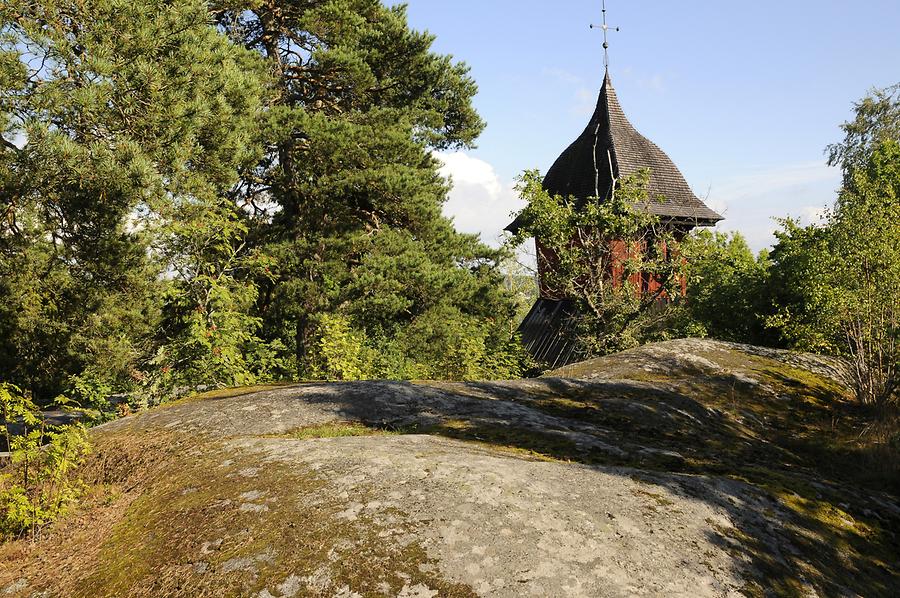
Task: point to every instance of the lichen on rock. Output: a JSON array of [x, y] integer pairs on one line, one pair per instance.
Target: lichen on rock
[[684, 468]]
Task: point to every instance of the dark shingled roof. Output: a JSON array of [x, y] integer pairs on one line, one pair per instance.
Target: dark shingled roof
[[616, 148]]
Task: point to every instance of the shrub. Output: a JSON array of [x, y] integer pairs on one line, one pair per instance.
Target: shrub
[[443, 343], [337, 351], [90, 394], [38, 487]]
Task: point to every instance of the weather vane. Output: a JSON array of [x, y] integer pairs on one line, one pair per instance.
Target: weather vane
[[605, 29]]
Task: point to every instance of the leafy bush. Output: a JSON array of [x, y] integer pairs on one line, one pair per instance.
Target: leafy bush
[[441, 344], [337, 351], [725, 287], [90, 393], [38, 486], [834, 287], [447, 344], [863, 273]]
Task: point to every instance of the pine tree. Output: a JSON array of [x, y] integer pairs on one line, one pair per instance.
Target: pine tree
[[349, 190], [196, 194], [130, 116]]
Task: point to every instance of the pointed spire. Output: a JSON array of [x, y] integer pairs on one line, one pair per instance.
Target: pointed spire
[[605, 28], [610, 148], [605, 41]]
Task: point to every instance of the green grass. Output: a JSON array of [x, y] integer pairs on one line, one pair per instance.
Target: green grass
[[336, 430]]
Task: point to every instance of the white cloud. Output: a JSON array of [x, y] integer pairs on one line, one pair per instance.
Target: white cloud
[[651, 82], [752, 200], [584, 99], [479, 202], [563, 76], [813, 215], [765, 181], [655, 83], [585, 102]]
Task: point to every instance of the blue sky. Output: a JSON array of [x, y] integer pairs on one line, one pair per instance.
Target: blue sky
[[744, 96]]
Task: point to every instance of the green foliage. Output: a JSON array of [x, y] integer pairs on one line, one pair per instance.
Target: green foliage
[[38, 486], [90, 394], [877, 119], [337, 351], [16, 407], [188, 189], [799, 311], [442, 343], [726, 287], [136, 125], [447, 344], [520, 280], [349, 196], [864, 235], [603, 255], [210, 337], [834, 287]]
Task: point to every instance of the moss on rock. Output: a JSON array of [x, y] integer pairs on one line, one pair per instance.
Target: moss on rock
[[213, 495]]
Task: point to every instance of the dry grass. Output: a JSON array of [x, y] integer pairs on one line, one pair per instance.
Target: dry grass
[[879, 445], [795, 436], [227, 393], [169, 516]]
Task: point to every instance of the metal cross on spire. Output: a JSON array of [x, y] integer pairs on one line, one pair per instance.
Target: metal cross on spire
[[605, 29]]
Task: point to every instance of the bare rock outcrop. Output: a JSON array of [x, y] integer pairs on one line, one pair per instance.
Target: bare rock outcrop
[[689, 468]]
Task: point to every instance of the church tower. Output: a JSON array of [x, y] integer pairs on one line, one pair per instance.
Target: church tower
[[608, 149]]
